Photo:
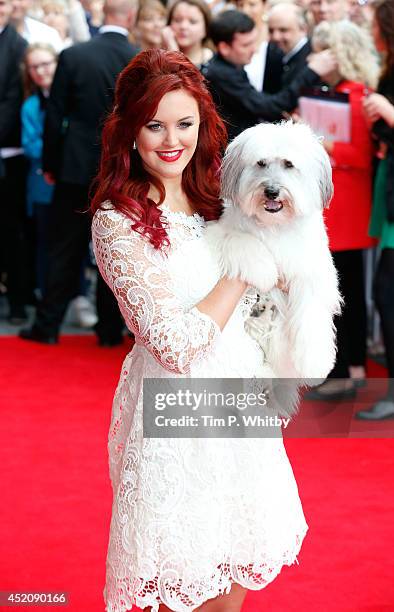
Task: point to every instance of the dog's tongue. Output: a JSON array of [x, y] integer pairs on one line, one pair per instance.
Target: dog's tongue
[[273, 205]]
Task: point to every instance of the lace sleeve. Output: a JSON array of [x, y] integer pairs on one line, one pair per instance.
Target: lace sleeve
[[137, 275]]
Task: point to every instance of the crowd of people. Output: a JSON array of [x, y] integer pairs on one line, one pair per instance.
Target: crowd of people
[[59, 61]]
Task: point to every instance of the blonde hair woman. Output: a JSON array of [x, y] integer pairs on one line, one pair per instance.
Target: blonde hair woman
[[150, 22], [348, 217]]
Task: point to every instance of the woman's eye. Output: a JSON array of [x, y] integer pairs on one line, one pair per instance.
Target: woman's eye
[[154, 127], [185, 124]]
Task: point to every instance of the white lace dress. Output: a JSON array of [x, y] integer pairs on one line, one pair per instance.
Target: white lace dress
[[189, 516]]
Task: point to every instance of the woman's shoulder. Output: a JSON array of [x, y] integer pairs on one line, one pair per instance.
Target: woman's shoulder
[[109, 218], [31, 104]]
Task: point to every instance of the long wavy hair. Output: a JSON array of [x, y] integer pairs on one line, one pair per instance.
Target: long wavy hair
[[384, 15], [122, 178], [353, 49]]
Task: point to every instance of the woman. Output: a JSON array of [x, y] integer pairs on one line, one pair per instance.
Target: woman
[[190, 516], [187, 31], [347, 218], [39, 65], [379, 109], [149, 25]]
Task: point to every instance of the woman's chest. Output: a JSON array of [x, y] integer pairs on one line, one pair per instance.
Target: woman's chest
[[193, 270]]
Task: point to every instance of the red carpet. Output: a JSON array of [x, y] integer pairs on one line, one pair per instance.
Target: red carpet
[[56, 498]]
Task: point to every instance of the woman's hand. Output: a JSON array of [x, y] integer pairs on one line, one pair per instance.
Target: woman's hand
[[377, 107], [323, 63], [169, 40]]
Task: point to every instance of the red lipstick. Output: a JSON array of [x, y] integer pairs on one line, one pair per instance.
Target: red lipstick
[[170, 156]]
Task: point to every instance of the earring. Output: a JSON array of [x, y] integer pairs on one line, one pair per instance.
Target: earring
[[134, 146]]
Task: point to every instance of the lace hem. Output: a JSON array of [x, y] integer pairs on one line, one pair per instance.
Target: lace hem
[[167, 588]]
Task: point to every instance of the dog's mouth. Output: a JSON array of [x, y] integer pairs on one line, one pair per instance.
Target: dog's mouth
[[273, 206]]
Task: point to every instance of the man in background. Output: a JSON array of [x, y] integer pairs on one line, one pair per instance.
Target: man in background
[[238, 102], [13, 251], [287, 28]]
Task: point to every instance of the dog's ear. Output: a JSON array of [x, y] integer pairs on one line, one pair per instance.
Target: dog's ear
[[325, 177], [231, 171]]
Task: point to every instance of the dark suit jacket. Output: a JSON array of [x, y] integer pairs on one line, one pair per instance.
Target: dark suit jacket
[[240, 105], [12, 48], [81, 95], [272, 82], [295, 64]]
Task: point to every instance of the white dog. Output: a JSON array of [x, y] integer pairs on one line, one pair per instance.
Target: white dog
[[276, 179]]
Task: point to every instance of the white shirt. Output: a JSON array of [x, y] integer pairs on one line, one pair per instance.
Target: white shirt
[[35, 31], [256, 68], [113, 28]]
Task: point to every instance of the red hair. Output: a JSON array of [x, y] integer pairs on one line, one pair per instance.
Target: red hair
[[122, 179]]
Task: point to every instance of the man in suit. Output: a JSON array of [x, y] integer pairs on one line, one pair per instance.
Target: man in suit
[[272, 81], [81, 95], [13, 252], [287, 28], [238, 102]]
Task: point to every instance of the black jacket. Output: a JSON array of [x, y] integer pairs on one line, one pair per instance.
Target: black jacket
[[81, 96], [12, 48], [240, 105], [296, 64], [272, 81]]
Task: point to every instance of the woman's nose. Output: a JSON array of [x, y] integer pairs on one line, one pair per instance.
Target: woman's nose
[[171, 139]]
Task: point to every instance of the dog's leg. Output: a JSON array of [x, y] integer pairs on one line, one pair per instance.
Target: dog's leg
[[245, 256], [310, 329]]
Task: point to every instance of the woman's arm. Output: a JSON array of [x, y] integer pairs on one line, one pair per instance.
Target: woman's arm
[[222, 300], [377, 107], [137, 275], [32, 129]]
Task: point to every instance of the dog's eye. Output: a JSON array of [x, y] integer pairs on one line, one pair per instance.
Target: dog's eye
[[262, 163], [288, 164]]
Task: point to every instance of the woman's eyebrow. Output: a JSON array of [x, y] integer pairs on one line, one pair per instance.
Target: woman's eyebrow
[[183, 119]]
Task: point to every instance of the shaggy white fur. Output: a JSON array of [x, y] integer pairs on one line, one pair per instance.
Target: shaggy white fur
[[276, 180]]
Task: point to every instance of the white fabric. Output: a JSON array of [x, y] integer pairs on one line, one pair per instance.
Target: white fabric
[[8, 152], [34, 31], [113, 28], [256, 68], [189, 516]]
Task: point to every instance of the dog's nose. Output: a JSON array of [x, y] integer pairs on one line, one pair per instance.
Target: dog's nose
[[271, 192]]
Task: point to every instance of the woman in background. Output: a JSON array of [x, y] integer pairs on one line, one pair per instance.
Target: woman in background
[[348, 216], [187, 31], [40, 65], [379, 109], [150, 23]]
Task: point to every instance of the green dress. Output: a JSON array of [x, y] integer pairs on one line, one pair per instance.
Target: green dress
[[380, 226]]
